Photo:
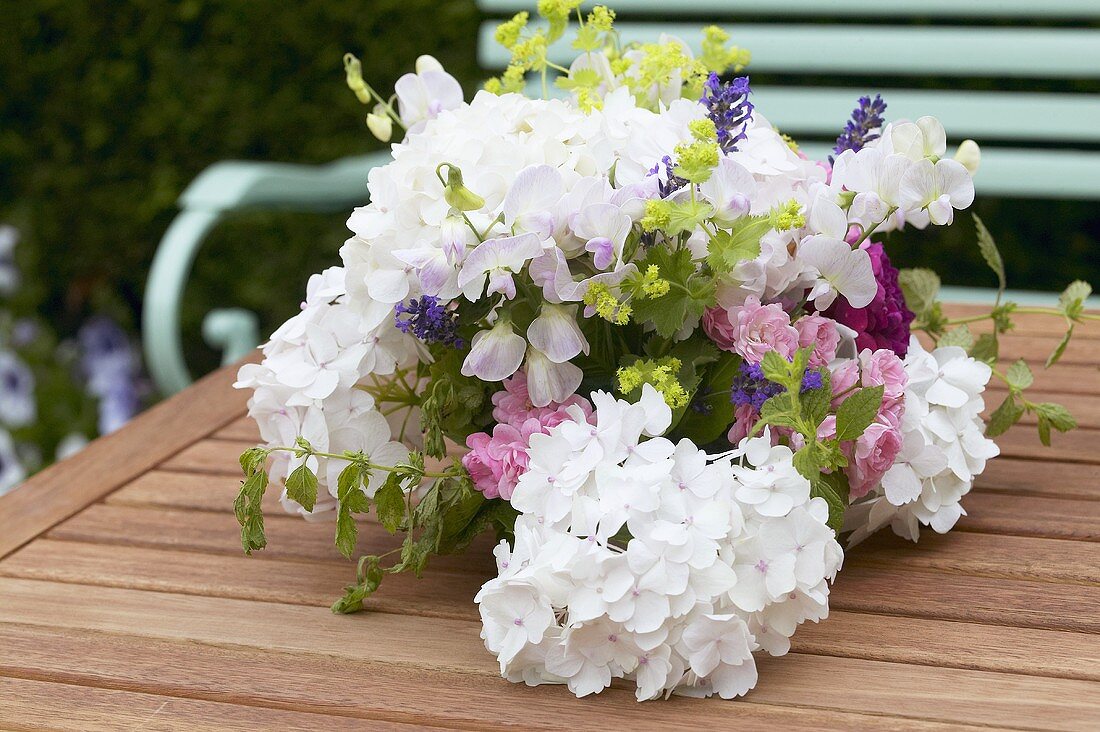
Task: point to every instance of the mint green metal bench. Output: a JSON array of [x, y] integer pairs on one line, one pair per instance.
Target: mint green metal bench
[[993, 39]]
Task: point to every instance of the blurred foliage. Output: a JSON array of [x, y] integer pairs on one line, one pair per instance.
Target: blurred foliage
[[109, 109]]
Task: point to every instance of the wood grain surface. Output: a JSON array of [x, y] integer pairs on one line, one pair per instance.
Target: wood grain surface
[[126, 603]]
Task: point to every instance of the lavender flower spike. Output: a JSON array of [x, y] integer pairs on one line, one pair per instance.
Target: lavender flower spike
[[729, 108], [429, 320], [863, 127]]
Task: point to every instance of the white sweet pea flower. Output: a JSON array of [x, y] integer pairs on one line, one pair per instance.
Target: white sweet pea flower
[[426, 62], [939, 187], [423, 95], [548, 381], [730, 189], [495, 354], [826, 217], [874, 175], [531, 200], [605, 227], [839, 270], [924, 138], [969, 155], [556, 334], [497, 260]]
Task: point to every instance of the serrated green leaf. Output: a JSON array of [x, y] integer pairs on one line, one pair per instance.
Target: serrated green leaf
[[920, 287], [1058, 416], [992, 256], [301, 487], [686, 299], [347, 532], [253, 460], [1019, 375], [807, 462], [686, 215], [1003, 417], [857, 412], [370, 577], [1072, 300], [986, 348], [778, 411], [248, 508], [1060, 349], [742, 243], [834, 488], [389, 502], [959, 336], [1044, 430], [775, 368]]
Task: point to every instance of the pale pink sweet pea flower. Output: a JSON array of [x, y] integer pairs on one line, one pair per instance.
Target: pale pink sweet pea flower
[[549, 382], [556, 334], [605, 227], [531, 200], [423, 95], [497, 260], [495, 354], [821, 334]]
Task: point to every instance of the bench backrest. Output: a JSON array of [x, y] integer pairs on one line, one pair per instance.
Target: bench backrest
[[816, 57]]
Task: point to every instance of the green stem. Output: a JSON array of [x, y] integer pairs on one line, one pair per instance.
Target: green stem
[[334, 456]]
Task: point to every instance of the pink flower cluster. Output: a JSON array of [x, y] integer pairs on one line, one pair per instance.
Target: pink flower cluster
[[496, 462], [872, 454]]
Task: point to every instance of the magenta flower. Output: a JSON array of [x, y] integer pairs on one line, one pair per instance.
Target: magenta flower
[[885, 322]]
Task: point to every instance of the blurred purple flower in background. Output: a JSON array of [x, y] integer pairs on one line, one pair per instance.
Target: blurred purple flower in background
[[11, 469], [113, 371], [17, 404]]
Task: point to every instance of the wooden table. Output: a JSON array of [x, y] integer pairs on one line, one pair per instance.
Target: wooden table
[[126, 603]]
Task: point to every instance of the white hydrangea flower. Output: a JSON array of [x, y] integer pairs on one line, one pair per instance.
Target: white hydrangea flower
[[943, 450], [638, 558]]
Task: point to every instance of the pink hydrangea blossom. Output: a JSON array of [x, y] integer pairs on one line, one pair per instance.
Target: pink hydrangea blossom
[[870, 456], [821, 334], [752, 329]]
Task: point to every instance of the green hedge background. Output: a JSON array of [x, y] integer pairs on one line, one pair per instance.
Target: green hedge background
[[109, 109]]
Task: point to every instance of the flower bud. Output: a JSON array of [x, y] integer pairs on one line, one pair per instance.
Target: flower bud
[[380, 125], [353, 70], [970, 155], [427, 63], [457, 195]]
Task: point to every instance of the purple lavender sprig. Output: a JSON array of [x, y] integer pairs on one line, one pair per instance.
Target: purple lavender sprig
[[671, 182], [863, 127], [750, 386], [729, 108], [429, 320]]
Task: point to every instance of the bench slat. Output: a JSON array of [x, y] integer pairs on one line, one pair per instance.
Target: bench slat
[[908, 51], [1053, 9]]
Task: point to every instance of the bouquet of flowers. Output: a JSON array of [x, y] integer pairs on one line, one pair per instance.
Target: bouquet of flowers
[[640, 337]]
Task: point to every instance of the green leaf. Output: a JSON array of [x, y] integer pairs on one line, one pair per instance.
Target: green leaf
[[730, 248], [301, 487], [960, 336], [776, 368], [807, 462], [253, 459], [1060, 349], [352, 500], [986, 348], [249, 511], [1003, 417], [389, 502], [370, 577], [1072, 300], [834, 488], [1058, 416], [779, 411], [710, 412], [1044, 431], [1019, 375], [920, 288], [992, 256], [685, 216], [686, 299], [857, 412]]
